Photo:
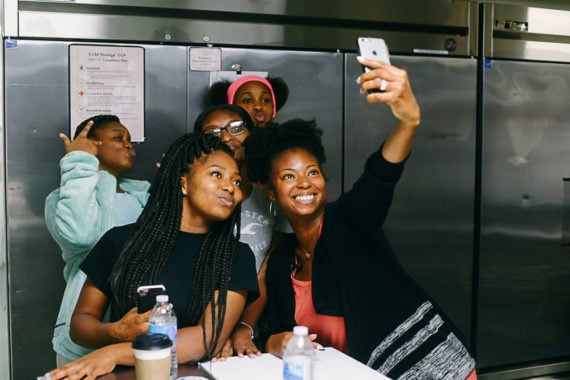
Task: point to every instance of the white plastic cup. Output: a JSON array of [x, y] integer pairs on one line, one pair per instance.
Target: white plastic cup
[[152, 356]]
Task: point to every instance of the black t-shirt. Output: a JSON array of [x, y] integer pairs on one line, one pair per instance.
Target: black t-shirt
[[178, 272]]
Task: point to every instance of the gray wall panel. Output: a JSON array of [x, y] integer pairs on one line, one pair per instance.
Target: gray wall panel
[[431, 222]]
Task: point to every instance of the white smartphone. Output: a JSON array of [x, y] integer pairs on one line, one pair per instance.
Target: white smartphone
[[373, 48]]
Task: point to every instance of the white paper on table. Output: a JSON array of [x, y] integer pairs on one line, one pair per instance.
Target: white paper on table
[[264, 367], [330, 364]]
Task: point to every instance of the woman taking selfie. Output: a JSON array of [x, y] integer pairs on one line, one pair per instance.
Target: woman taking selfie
[[337, 273], [186, 239]]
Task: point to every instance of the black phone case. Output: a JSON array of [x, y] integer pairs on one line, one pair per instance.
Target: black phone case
[[147, 300]]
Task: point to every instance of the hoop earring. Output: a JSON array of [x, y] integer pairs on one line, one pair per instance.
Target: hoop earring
[[272, 209]]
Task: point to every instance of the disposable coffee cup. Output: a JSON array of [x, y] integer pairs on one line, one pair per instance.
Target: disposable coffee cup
[[152, 356]]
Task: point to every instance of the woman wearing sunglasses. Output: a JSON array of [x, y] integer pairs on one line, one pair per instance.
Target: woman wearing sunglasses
[[263, 226]]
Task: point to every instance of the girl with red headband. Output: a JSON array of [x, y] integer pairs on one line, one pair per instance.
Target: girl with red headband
[[260, 97]]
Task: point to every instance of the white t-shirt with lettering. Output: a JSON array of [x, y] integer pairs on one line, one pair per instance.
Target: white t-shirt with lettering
[[258, 221]]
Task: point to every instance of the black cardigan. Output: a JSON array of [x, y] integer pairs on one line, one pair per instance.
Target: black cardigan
[[391, 323]]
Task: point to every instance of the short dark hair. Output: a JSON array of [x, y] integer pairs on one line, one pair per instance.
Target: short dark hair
[[199, 123], [264, 144], [98, 121]]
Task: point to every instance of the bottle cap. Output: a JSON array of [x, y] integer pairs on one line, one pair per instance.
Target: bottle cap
[[301, 330], [162, 298]]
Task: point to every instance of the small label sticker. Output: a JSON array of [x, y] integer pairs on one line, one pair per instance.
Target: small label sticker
[[431, 51], [10, 44], [205, 59], [511, 25]]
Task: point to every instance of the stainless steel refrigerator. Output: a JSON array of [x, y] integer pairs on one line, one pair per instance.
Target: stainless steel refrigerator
[[37, 110], [524, 303]]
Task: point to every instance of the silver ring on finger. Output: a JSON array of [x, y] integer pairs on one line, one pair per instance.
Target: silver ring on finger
[[383, 85]]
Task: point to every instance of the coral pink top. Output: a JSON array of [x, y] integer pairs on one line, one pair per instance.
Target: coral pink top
[[330, 330]]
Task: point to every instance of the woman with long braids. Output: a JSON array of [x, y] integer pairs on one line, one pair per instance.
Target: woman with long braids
[[337, 274], [263, 225], [186, 239]]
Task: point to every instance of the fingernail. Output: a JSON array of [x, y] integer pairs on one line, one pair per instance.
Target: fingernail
[[320, 347], [358, 80], [359, 58]]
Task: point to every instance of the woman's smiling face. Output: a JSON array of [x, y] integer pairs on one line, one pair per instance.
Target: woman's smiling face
[[297, 183]]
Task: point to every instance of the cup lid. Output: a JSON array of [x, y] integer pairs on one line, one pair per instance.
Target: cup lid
[[151, 342]]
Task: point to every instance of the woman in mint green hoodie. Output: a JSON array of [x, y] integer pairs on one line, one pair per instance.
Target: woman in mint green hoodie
[[91, 199]]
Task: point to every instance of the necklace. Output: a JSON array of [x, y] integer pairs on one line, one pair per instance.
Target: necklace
[[307, 253], [314, 242]]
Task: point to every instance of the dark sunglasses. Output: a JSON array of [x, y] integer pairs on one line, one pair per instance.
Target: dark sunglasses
[[234, 128]]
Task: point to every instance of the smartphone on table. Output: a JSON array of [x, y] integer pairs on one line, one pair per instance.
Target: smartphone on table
[[146, 296]]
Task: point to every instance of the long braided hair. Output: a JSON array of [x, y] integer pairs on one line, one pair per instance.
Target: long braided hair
[[152, 241]]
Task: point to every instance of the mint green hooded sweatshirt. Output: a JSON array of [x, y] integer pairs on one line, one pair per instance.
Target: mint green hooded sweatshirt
[[77, 214]]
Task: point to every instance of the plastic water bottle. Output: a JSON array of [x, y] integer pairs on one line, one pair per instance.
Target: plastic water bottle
[[299, 356], [162, 320]]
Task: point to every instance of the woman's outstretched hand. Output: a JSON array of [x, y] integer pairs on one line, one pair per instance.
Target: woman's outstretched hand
[[89, 367], [395, 90], [277, 343], [240, 343]]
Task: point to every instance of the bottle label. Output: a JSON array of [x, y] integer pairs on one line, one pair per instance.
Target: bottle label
[[169, 330], [296, 370]]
